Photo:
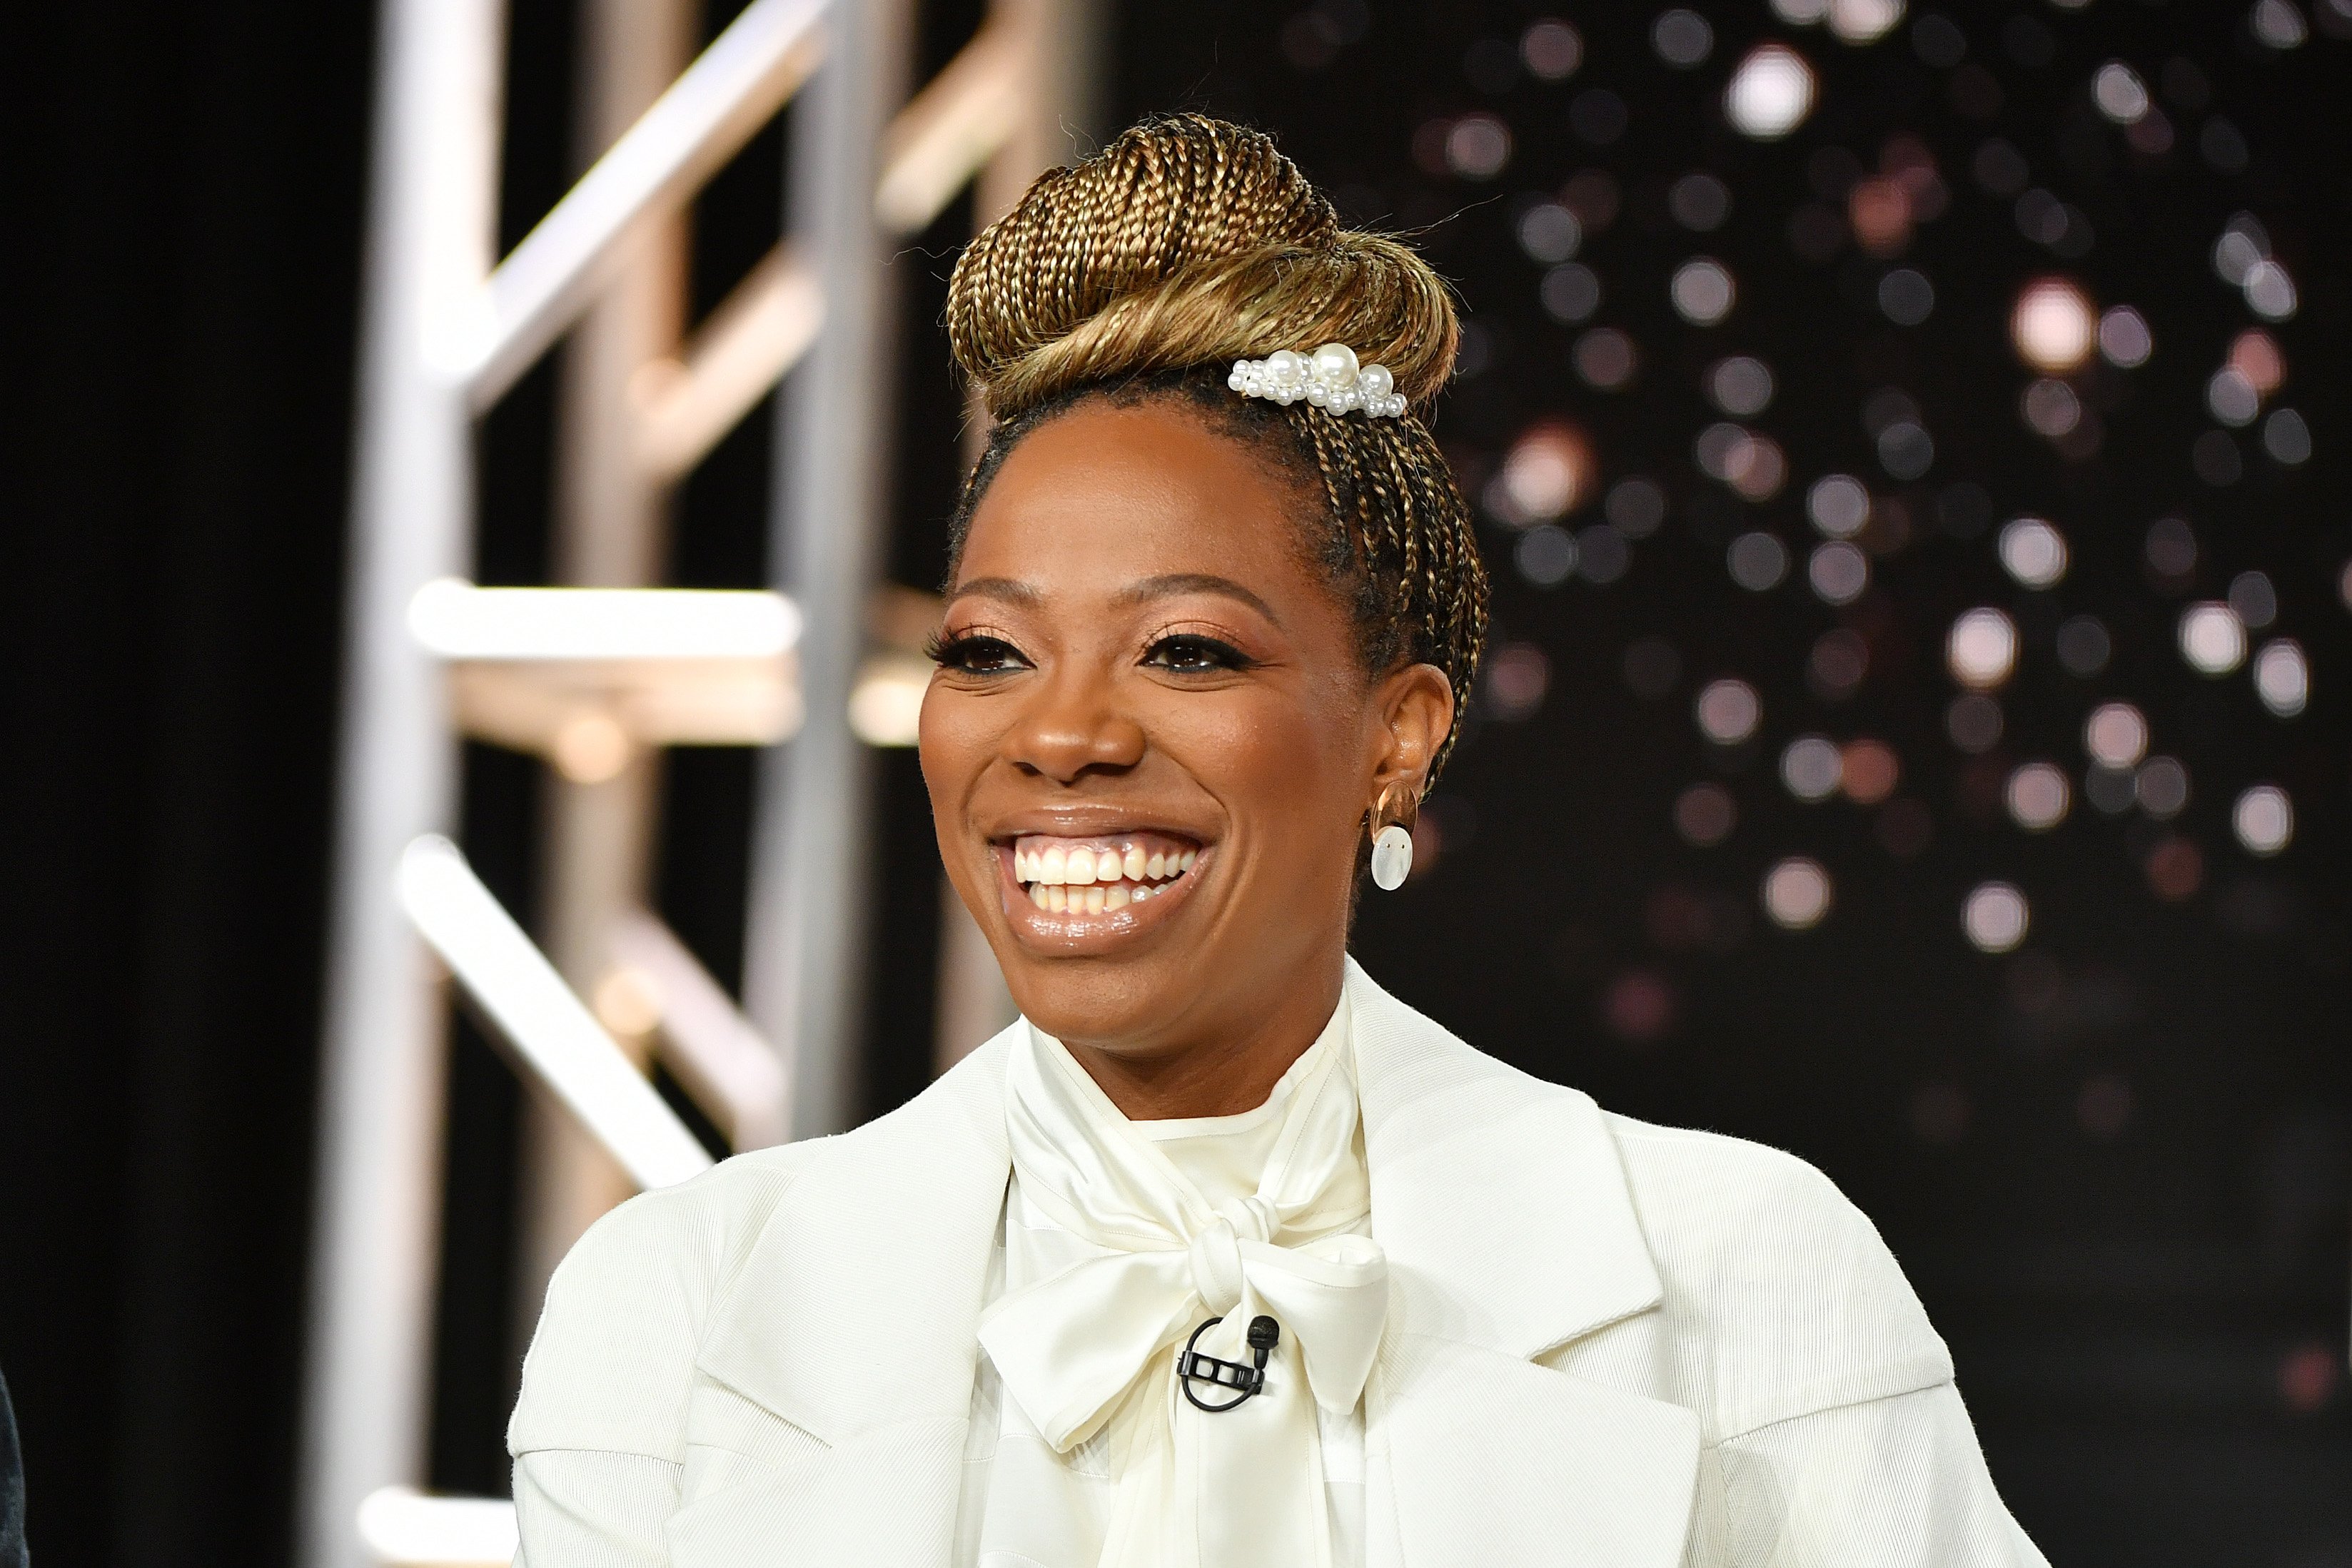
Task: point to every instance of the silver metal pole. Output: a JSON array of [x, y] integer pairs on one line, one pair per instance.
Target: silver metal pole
[[431, 230], [612, 524], [805, 964]]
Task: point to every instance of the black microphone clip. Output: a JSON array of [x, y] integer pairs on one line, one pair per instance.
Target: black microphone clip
[[1192, 1366]]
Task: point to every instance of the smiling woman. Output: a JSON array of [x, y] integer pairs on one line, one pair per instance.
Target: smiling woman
[[1220, 1257]]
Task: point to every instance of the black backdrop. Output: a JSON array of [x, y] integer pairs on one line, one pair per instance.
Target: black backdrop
[[2116, 1163]]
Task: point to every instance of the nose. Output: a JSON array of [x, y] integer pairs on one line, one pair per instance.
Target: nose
[[1074, 728]]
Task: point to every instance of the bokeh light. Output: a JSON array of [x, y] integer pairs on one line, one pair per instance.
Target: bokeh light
[[1868, 771], [1702, 291], [1514, 679], [1546, 555], [1682, 38], [2115, 735], [2282, 677], [2253, 597], [1770, 93], [1839, 571], [2162, 787], [1635, 506], [1549, 473], [2286, 437], [1838, 504], [1477, 146], [1995, 916], [1757, 561], [2174, 868], [1974, 722], [1864, 21], [2083, 645], [2038, 797], [1740, 386], [2264, 819], [2125, 339], [2053, 326], [1551, 49], [2212, 638], [1796, 893], [1981, 650], [1604, 357], [1549, 232], [1812, 768], [1705, 814], [1699, 202], [1728, 711], [1838, 662], [2032, 552], [2050, 408], [2121, 96]]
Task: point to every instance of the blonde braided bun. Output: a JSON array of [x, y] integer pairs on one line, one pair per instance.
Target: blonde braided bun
[[1188, 244]]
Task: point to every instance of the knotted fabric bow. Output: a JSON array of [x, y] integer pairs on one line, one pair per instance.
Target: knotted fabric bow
[[1237, 1488]]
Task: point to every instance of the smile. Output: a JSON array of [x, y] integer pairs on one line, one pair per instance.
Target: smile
[[1099, 875]]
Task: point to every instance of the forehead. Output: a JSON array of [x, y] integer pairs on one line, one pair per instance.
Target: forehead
[[1104, 495]]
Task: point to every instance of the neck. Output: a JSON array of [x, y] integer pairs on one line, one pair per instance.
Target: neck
[[1222, 1072]]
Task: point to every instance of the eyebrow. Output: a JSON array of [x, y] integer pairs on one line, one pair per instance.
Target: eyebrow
[[1004, 588], [1177, 583], [1165, 586]]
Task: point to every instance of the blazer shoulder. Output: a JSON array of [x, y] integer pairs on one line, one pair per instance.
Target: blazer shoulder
[[613, 1359], [1778, 1294]]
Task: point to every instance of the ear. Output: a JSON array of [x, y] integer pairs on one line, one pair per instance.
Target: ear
[[1415, 705]]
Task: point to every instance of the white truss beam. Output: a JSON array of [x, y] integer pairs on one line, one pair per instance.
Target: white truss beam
[[732, 89], [549, 1029]]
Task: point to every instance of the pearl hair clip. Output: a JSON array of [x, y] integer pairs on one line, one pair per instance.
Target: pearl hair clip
[[1328, 378]]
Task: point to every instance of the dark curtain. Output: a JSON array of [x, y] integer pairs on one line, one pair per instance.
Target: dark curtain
[[182, 197]]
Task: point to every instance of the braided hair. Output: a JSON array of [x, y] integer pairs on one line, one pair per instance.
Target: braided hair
[[1144, 272]]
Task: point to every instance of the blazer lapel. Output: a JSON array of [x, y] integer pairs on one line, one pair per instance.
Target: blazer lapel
[[853, 1321], [1502, 1206]]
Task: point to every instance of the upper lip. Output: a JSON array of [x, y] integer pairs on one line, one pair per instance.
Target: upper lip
[[1085, 822]]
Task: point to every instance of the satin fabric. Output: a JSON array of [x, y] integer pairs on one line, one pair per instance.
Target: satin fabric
[[1128, 1255], [1607, 1342]]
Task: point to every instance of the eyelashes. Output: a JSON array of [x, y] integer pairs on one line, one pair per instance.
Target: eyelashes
[[1193, 654], [978, 651], [974, 652]]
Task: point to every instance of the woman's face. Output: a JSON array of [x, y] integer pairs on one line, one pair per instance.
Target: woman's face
[[1151, 743]]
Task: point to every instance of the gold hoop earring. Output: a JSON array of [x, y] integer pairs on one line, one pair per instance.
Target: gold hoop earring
[[1391, 819]]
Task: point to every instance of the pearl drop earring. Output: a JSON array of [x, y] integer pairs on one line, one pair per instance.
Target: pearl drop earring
[[1393, 837]]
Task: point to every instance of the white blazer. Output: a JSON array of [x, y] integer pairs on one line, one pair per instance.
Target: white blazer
[[1609, 1343]]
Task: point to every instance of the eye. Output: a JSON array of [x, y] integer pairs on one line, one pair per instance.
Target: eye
[[976, 653], [1190, 653]]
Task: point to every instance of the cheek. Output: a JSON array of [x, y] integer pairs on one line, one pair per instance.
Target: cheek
[[951, 744], [1278, 758]]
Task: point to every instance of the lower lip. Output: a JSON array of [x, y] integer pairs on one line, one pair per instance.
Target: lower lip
[[1069, 933]]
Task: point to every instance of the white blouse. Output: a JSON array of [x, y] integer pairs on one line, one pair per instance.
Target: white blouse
[[1024, 1504]]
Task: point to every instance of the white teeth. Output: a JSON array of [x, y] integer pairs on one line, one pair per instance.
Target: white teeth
[[1114, 896], [1083, 865], [1095, 900], [1142, 893], [1058, 901]]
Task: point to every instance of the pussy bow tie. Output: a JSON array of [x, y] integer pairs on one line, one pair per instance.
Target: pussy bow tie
[[1232, 1489], [1069, 1346]]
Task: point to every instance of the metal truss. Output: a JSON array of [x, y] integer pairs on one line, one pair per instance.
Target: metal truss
[[600, 670]]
